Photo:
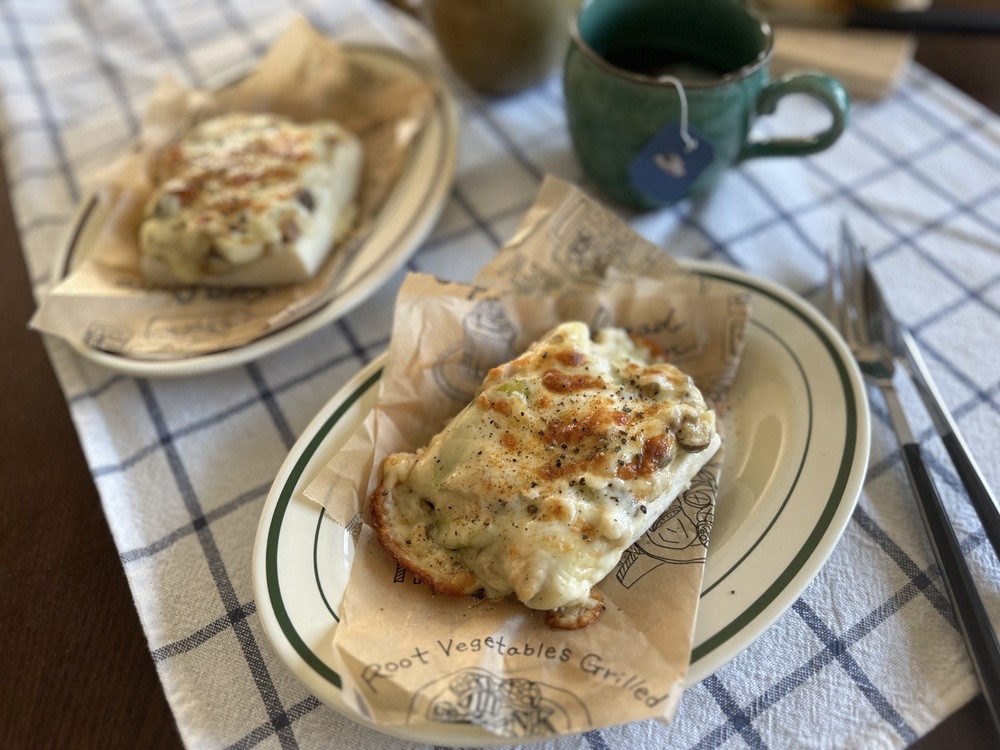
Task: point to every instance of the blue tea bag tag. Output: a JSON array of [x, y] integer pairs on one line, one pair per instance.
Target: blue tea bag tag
[[669, 164]]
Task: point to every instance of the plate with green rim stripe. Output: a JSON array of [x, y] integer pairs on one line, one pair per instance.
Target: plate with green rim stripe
[[402, 223], [797, 439]]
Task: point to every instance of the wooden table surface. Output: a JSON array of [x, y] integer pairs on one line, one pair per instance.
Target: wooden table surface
[[75, 669]]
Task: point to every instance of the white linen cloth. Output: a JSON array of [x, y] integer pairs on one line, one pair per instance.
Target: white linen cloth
[[868, 657]]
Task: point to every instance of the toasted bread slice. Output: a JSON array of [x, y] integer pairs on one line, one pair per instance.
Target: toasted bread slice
[[250, 200], [566, 457]]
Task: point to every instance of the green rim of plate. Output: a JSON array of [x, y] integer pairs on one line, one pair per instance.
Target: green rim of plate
[[847, 460], [274, 530]]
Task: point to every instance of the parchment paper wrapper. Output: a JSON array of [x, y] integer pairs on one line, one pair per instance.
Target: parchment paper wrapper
[[106, 304], [408, 656]]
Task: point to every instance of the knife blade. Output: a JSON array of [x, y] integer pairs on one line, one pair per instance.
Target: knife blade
[[905, 350]]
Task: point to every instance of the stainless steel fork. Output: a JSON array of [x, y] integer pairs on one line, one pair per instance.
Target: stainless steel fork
[[849, 284]]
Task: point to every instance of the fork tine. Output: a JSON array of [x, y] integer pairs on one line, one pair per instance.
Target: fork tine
[[842, 280], [832, 291], [852, 264], [836, 302]]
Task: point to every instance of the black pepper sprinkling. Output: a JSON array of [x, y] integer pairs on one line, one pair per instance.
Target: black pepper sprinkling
[[305, 197]]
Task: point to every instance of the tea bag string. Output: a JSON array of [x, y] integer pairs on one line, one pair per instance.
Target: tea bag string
[[690, 144]]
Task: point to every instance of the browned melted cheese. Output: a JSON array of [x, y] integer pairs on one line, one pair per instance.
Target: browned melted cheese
[[541, 483], [243, 185]]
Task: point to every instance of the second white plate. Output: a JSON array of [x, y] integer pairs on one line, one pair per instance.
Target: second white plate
[[797, 445], [403, 223]]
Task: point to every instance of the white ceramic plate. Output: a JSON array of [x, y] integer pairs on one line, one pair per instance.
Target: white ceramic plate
[[796, 454], [406, 219]]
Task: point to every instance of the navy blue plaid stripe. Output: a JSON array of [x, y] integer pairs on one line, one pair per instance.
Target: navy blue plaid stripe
[[177, 49], [266, 395], [510, 143], [247, 641], [479, 221], [835, 649], [234, 19], [782, 217], [96, 392], [918, 577], [738, 720], [96, 151], [944, 473], [716, 248], [595, 740], [218, 417], [376, 345], [109, 72], [42, 96], [139, 553], [961, 134], [315, 14], [265, 731], [440, 239], [139, 455], [358, 350], [838, 649], [911, 239], [205, 634]]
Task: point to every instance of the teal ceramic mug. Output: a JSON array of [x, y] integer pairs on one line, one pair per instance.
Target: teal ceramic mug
[[661, 95]]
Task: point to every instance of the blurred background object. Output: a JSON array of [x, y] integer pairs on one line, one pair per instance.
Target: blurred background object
[[497, 46], [867, 44]]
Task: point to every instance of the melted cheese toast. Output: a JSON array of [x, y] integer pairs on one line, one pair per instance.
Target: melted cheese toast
[[567, 456], [249, 200]]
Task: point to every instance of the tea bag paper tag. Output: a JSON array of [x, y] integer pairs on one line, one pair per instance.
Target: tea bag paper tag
[[670, 162]]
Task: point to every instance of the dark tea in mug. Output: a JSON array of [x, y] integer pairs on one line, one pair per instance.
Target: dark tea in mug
[[656, 61], [661, 95]]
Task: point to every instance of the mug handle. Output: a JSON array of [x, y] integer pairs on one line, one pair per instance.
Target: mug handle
[[828, 91]]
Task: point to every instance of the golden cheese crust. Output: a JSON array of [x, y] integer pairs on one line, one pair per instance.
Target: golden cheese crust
[[567, 455], [241, 187]]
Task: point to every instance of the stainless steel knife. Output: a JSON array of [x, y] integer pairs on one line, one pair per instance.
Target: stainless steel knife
[[905, 350]]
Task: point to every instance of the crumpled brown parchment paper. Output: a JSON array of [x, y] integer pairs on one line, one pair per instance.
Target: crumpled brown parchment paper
[[408, 657]]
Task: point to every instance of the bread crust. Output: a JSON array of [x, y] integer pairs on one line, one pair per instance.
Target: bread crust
[[462, 583], [577, 616]]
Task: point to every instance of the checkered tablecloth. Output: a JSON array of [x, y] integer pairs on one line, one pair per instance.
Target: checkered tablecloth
[[868, 657]]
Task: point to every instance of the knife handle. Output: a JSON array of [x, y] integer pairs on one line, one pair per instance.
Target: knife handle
[[974, 623], [980, 495], [930, 21]]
